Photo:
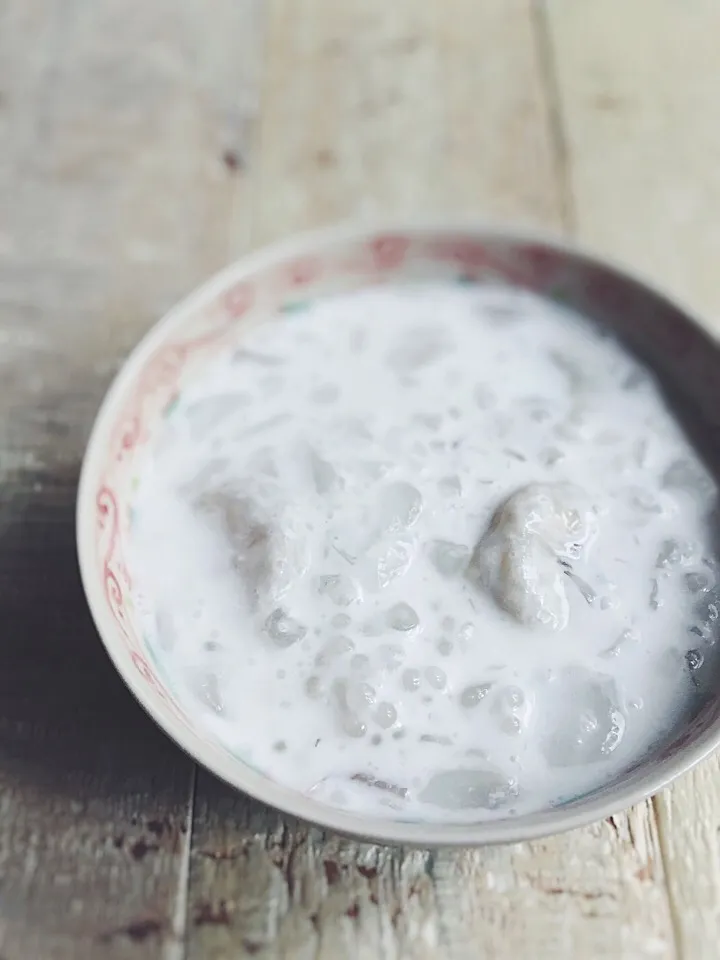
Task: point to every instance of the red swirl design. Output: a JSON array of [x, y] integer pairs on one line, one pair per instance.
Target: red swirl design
[[109, 523], [389, 252], [304, 271], [239, 299]]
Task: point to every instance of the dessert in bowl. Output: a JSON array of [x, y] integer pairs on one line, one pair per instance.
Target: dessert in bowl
[[410, 532]]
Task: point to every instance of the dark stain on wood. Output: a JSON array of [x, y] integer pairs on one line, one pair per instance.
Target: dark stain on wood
[[233, 161], [158, 827], [368, 872], [141, 848], [220, 855], [353, 910], [333, 871], [137, 931], [404, 45], [607, 102], [216, 915], [325, 158]]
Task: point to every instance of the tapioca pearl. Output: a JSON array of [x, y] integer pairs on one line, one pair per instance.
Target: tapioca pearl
[[474, 694], [449, 559], [315, 687], [444, 647], [360, 664], [386, 714], [390, 656], [411, 679], [436, 677], [450, 486], [283, 629], [333, 650], [465, 632], [340, 589], [351, 723], [512, 709], [340, 621], [402, 617], [359, 696]]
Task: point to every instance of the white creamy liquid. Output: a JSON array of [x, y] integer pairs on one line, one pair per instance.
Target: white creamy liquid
[[303, 534]]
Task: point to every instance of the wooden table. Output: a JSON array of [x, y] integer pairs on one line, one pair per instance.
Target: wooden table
[[143, 143]]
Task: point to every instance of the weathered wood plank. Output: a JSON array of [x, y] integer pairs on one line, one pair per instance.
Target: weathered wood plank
[[376, 108], [640, 84], [122, 125], [639, 88]]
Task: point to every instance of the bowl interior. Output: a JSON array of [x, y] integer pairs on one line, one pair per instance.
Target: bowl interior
[[282, 282]]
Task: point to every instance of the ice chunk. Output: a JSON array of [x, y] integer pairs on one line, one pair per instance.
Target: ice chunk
[[517, 558], [694, 660], [450, 486], [676, 553], [690, 477], [398, 507], [339, 589], [207, 690], [698, 582], [283, 629], [325, 477], [449, 559], [368, 533], [385, 562], [333, 650], [469, 789], [581, 719]]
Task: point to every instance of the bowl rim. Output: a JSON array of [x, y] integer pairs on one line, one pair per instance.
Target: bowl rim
[[424, 834]]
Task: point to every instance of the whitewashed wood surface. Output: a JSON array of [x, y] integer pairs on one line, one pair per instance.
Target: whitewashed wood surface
[[143, 143]]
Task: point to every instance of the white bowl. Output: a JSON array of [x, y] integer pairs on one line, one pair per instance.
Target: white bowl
[[281, 279]]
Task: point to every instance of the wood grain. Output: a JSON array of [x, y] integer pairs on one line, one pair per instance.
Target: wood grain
[[373, 108], [638, 103], [116, 119]]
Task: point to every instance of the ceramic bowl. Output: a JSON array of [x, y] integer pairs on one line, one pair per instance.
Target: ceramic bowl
[[282, 280]]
